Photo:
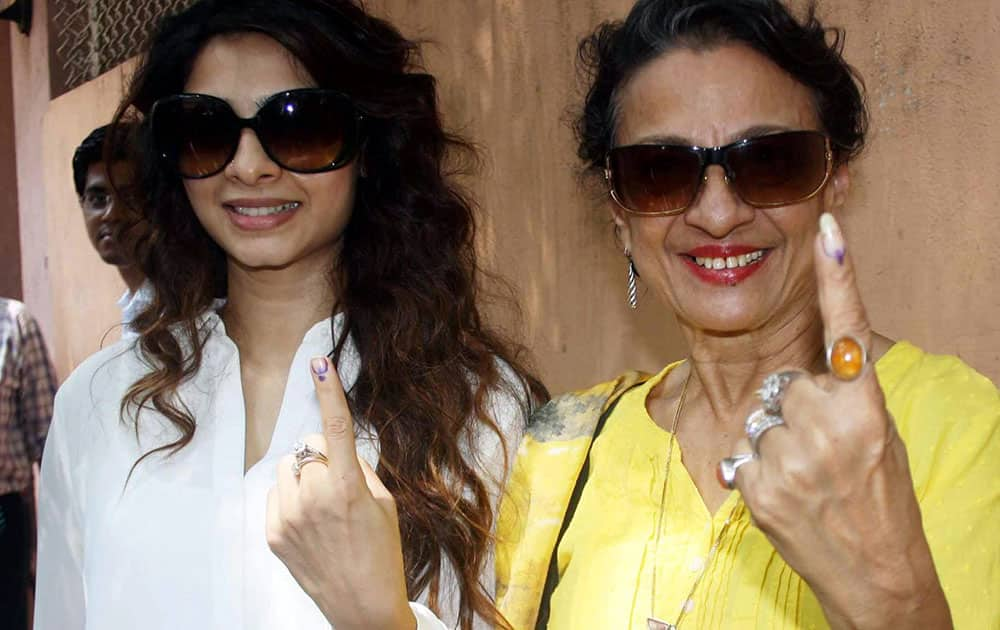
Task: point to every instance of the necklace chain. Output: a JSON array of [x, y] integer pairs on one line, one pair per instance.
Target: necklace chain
[[653, 622]]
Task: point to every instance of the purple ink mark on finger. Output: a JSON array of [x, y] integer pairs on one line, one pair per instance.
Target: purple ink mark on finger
[[320, 367], [839, 255]]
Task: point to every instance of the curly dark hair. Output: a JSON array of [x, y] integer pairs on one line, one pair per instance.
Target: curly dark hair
[[407, 274], [810, 52]]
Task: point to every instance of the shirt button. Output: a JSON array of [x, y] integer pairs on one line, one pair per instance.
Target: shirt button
[[696, 565], [689, 605]]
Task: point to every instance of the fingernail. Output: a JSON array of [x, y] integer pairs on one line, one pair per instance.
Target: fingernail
[[320, 367], [833, 239]]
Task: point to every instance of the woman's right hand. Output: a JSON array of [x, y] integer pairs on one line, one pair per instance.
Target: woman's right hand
[[832, 488], [336, 527]]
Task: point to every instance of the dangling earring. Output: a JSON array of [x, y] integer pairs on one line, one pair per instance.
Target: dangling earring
[[633, 298]]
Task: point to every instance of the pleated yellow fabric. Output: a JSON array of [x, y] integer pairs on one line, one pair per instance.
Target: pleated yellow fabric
[[949, 418]]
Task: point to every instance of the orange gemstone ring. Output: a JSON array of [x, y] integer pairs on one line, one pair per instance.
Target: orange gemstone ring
[[846, 357]]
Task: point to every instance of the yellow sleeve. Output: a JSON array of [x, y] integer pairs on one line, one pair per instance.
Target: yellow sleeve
[[511, 522], [949, 417], [531, 514], [538, 491]]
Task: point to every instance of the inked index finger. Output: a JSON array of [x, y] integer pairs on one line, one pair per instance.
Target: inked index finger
[[840, 302], [338, 425]]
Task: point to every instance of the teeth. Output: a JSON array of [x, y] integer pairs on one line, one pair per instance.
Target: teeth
[[730, 262], [265, 211]]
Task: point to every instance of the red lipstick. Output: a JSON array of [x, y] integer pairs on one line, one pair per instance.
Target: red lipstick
[[724, 277]]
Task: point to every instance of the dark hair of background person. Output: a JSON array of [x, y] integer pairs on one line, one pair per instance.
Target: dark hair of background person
[[407, 271], [92, 151], [811, 53]]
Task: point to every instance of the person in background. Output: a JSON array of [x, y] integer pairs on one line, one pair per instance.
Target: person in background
[[27, 388], [104, 215], [797, 470]]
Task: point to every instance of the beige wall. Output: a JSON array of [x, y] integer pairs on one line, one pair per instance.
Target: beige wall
[[29, 56], [922, 217], [84, 288]]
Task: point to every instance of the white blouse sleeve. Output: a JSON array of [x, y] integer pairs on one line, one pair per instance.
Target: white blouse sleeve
[[426, 620], [60, 602]]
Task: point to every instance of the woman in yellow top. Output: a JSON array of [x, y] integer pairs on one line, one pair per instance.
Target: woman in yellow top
[[860, 477]]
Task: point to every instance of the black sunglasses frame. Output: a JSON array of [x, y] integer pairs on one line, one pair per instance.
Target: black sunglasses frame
[[352, 132], [709, 156]]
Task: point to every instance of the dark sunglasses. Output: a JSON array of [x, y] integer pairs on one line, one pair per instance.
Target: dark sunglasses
[[309, 130], [766, 171]]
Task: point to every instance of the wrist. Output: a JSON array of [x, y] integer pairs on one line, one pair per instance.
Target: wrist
[[910, 602], [402, 618]]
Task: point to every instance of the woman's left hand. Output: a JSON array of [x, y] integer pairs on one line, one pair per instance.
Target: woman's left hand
[[832, 489], [335, 526]]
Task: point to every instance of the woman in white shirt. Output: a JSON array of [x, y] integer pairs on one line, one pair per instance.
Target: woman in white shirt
[[293, 164]]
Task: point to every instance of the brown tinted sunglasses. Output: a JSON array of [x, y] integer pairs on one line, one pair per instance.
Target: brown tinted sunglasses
[[766, 171], [308, 130]]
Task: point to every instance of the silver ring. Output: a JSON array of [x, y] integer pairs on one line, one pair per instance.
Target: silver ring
[[758, 423], [772, 390], [728, 467], [305, 454]]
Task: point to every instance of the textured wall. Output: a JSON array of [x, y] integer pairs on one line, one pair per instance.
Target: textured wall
[[922, 217]]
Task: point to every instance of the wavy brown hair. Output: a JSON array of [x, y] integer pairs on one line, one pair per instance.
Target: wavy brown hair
[[408, 276]]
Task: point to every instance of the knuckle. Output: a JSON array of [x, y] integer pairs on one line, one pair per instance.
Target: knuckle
[[799, 474], [276, 540], [291, 522], [794, 395], [351, 494], [764, 510], [852, 317], [343, 495], [337, 426], [307, 494]]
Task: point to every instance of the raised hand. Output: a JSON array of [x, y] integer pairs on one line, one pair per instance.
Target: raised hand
[[335, 526], [831, 488]]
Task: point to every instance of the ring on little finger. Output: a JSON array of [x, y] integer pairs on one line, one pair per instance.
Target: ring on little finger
[[305, 454], [726, 472], [772, 390], [846, 357], [757, 424]]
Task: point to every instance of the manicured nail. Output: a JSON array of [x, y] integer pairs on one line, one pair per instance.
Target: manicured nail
[[833, 239], [320, 367]]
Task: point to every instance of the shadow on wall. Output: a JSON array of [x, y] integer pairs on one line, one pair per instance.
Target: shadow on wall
[[507, 79]]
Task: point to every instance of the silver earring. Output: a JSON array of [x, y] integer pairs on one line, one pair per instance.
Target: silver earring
[[633, 298]]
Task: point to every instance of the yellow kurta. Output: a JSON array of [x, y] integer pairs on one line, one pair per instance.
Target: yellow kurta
[[949, 418]]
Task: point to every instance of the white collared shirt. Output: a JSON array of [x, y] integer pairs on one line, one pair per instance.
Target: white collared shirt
[[183, 545], [131, 304]]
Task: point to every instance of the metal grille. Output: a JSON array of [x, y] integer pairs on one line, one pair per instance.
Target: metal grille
[[90, 37]]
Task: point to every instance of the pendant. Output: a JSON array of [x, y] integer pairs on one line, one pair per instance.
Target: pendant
[[655, 624]]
